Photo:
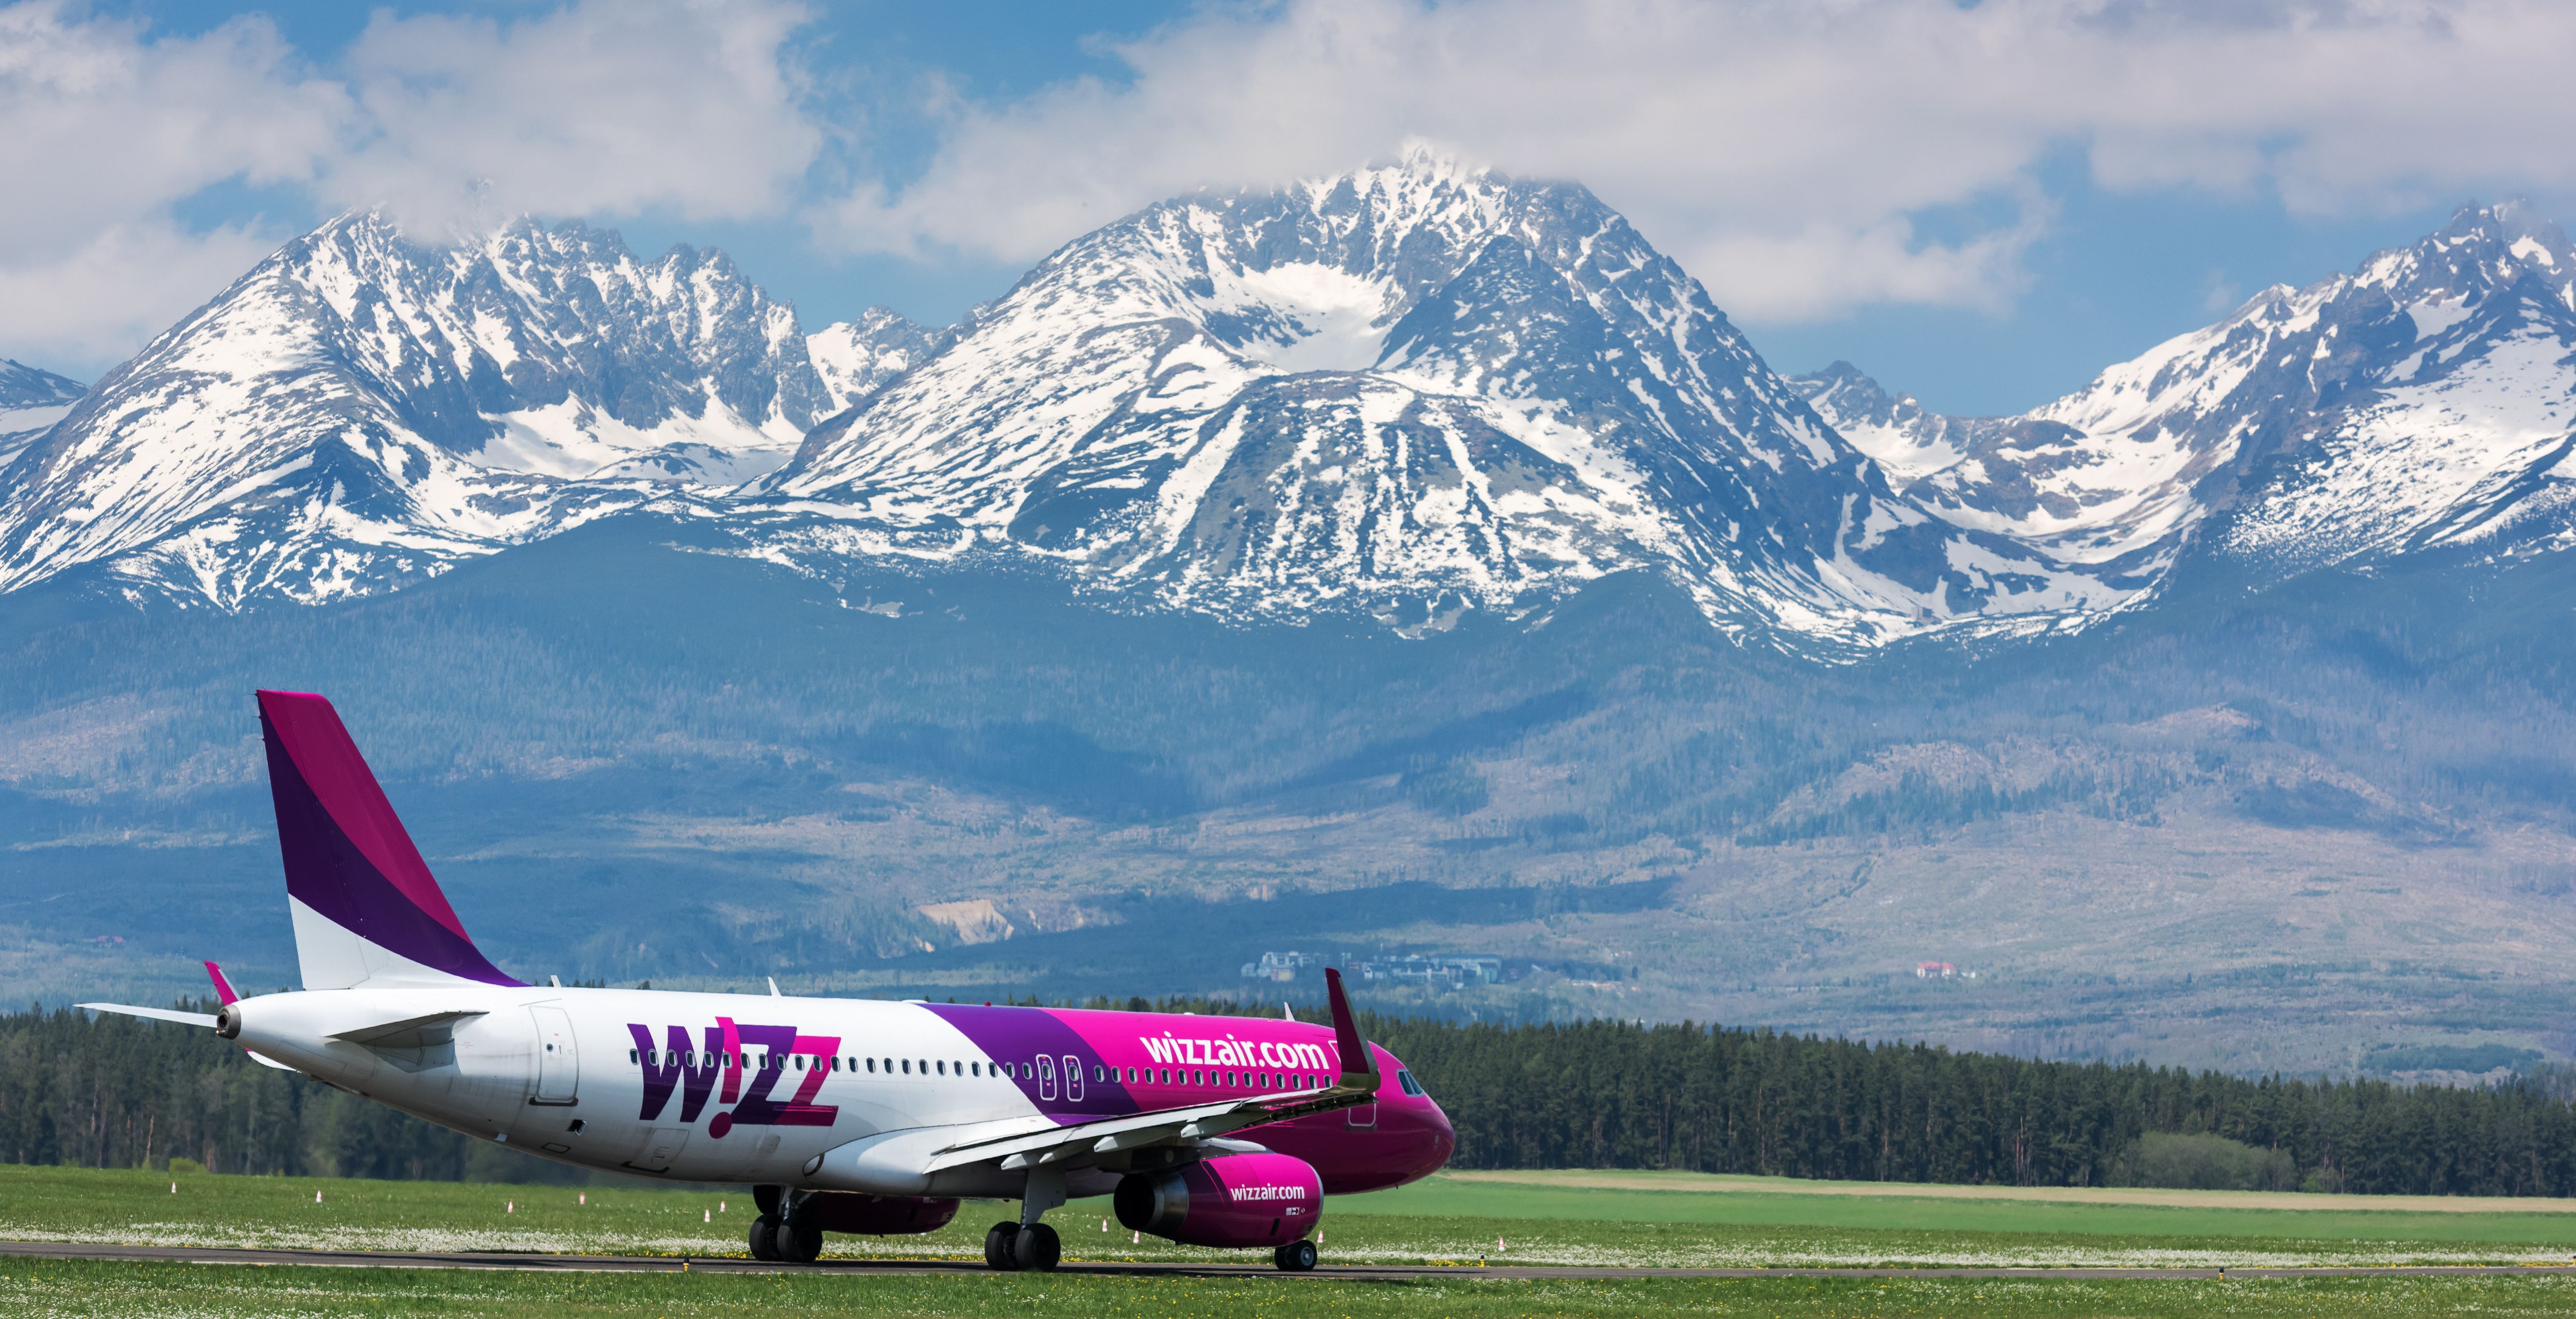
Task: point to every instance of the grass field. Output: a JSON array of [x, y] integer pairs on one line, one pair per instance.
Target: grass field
[[1574, 1218]]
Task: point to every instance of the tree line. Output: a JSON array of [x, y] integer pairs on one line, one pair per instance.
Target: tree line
[[115, 1092]]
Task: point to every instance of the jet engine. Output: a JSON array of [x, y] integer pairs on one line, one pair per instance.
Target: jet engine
[[1260, 1199]]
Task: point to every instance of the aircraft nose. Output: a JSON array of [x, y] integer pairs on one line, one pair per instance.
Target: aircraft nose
[[1444, 1137]]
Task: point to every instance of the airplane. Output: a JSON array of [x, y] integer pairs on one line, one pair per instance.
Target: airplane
[[844, 1115]]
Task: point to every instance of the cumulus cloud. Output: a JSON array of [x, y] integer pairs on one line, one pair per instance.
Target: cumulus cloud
[[1789, 152], [127, 282], [602, 107], [107, 129]]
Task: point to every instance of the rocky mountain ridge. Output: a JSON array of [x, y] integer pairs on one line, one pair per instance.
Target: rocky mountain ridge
[[1399, 395], [1404, 393], [361, 410], [31, 401], [2426, 399]]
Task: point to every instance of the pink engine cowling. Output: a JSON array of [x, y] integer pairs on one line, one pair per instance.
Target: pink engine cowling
[[1231, 1200]]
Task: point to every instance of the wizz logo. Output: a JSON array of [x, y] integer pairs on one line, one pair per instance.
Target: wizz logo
[[748, 1060]]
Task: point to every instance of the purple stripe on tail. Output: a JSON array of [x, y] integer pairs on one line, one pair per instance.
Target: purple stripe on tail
[[347, 856]]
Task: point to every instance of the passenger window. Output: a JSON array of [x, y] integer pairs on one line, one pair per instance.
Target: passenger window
[[907, 1067], [1073, 1078], [1046, 1077]]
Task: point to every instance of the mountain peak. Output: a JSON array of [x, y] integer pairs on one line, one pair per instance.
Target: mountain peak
[[362, 410]]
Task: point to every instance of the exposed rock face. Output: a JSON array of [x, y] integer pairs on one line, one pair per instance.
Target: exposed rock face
[[361, 410], [1407, 391], [2426, 399]]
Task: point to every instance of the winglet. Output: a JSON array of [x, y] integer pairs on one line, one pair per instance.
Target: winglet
[[223, 988], [1346, 1033]]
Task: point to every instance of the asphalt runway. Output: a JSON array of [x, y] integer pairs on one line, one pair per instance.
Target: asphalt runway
[[395, 1259]]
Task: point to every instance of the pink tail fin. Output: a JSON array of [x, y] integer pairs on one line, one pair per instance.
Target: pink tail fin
[[366, 907]]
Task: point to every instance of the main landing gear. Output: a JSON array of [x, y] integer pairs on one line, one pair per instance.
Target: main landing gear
[[1295, 1257], [782, 1235], [1010, 1247]]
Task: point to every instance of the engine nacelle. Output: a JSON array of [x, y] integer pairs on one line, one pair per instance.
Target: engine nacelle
[[1232, 1200]]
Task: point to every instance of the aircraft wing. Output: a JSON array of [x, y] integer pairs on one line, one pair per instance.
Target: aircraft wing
[[1013, 1146]]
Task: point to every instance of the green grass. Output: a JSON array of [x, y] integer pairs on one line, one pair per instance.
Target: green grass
[[1444, 1198], [1441, 1220], [79, 1289]]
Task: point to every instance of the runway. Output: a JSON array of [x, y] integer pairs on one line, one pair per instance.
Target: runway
[[392, 1259]]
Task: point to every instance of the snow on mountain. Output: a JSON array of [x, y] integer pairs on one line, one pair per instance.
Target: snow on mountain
[[31, 401], [360, 410], [2427, 398], [856, 358], [1406, 392]]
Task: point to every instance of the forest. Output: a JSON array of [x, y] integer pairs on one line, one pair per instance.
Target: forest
[[100, 1091]]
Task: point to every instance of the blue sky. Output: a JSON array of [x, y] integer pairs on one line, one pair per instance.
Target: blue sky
[[1981, 204]]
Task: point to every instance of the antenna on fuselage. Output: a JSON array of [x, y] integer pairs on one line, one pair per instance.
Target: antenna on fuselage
[[1287, 1013]]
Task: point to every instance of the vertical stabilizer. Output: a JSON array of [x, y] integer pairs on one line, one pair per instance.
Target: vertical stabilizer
[[366, 910]]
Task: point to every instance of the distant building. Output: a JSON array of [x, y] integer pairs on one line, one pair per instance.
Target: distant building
[[1282, 967], [1442, 972], [1935, 971]]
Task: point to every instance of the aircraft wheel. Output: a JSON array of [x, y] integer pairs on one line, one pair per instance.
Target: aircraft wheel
[[1036, 1248], [997, 1247], [799, 1241], [1295, 1257], [764, 1237]]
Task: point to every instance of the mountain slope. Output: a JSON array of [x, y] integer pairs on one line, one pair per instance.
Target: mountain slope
[[361, 410], [1404, 392], [2426, 399], [31, 401]]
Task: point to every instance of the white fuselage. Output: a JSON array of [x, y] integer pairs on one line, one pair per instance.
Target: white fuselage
[[559, 1073]]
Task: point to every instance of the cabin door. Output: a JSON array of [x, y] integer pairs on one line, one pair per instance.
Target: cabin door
[[558, 1067]]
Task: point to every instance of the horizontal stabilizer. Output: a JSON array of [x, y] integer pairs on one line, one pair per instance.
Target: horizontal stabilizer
[[156, 1014]]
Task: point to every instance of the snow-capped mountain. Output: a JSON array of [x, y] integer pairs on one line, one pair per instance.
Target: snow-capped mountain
[[854, 359], [31, 401], [361, 410], [2427, 398], [1405, 391]]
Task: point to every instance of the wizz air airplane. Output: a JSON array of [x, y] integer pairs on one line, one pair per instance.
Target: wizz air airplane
[[844, 1115]]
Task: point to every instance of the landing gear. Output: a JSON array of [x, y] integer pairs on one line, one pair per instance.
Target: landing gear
[[799, 1240], [997, 1247], [764, 1238], [1011, 1247], [1036, 1249], [1295, 1257]]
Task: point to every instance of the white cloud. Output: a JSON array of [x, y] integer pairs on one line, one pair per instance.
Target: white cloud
[[615, 108], [1784, 149], [95, 305], [101, 127], [107, 129]]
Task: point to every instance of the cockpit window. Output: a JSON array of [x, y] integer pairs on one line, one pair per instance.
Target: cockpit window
[[1411, 1086]]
